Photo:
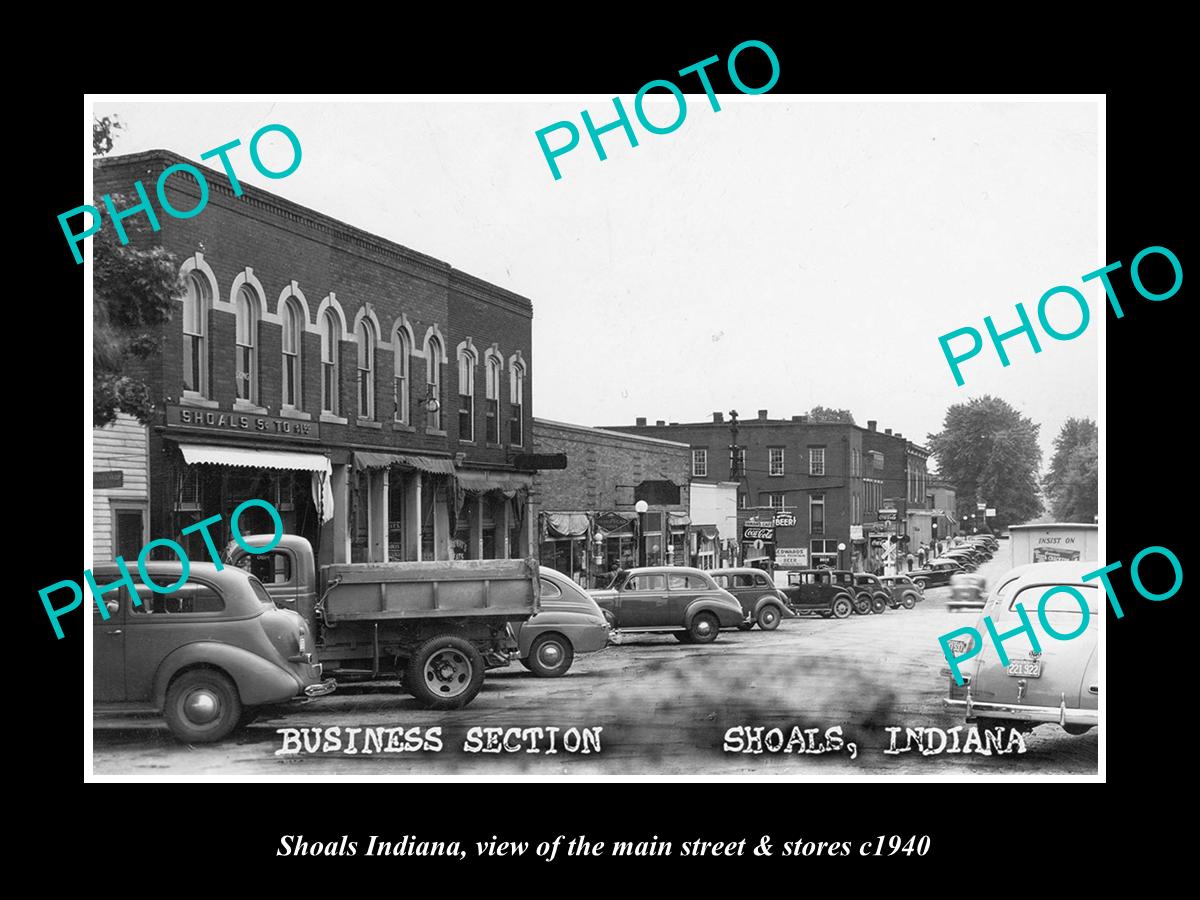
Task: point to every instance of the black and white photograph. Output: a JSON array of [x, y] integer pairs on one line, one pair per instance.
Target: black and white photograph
[[707, 433]]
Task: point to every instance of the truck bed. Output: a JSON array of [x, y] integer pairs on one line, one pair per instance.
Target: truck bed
[[374, 592]]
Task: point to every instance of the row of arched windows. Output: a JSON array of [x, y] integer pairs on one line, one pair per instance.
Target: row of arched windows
[[197, 303]]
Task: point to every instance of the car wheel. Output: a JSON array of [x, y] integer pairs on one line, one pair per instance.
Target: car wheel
[[704, 628], [551, 656], [908, 601], [862, 605], [768, 617], [445, 672], [878, 605], [920, 583], [842, 608], [202, 706]]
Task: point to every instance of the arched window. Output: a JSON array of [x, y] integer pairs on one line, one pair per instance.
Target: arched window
[[196, 303], [365, 336], [330, 337], [466, 394], [293, 330], [516, 402], [400, 384], [492, 434], [247, 346], [433, 369]]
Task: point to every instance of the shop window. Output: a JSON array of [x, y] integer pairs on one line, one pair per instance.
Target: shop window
[[364, 336], [197, 300], [293, 331], [330, 339], [189, 491]]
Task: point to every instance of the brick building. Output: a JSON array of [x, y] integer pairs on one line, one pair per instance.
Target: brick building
[[378, 397], [588, 523], [812, 485]]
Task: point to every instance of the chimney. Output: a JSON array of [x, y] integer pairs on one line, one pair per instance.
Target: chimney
[[899, 435], [718, 417], [887, 431], [660, 423], [641, 421], [872, 424], [762, 415]]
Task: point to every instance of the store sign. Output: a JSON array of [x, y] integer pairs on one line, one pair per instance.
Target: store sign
[[887, 515], [990, 511], [241, 423], [795, 557], [856, 532], [758, 533], [113, 478], [611, 521], [785, 520]]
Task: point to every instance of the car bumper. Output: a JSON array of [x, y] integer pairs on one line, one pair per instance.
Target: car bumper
[[1060, 714], [328, 686]]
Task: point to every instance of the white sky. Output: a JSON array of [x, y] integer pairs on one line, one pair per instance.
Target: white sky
[[777, 254]]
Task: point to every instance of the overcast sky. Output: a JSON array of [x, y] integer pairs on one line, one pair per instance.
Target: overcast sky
[[777, 254]]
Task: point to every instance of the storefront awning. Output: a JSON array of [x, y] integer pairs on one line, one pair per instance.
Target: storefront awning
[[194, 454], [679, 521], [567, 525], [493, 481], [433, 464], [708, 532]]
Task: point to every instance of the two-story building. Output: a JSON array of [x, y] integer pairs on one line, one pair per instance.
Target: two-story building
[[379, 398]]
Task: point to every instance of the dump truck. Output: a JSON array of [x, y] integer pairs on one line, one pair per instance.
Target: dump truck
[[437, 625], [1053, 542]]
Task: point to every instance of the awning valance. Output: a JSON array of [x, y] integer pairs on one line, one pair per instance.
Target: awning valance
[[194, 454], [679, 520], [493, 481], [708, 532], [435, 465], [567, 525]]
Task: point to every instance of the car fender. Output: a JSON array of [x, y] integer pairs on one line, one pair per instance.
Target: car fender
[[726, 616], [258, 680], [768, 600], [583, 631]]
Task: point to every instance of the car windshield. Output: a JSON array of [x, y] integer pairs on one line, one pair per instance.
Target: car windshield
[[261, 593]]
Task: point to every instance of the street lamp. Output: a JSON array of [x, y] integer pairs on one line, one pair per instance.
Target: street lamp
[[640, 507], [841, 550]]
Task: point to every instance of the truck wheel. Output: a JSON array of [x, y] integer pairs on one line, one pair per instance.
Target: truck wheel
[[878, 605], [202, 706], [908, 601], [445, 672], [842, 607], [768, 617], [550, 656], [862, 605], [704, 628]]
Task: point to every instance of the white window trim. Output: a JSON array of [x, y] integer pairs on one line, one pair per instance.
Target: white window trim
[[811, 461], [289, 300], [700, 471], [771, 451]]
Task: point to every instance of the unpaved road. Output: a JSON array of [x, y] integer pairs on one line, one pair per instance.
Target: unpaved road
[[664, 708]]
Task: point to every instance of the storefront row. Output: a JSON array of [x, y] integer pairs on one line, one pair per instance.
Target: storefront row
[[590, 547]]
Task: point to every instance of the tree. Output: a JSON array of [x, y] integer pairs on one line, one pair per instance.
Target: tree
[[989, 452], [829, 414], [134, 293], [1073, 483]]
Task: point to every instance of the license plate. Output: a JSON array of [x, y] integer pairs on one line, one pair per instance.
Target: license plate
[[1025, 668], [958, 647]]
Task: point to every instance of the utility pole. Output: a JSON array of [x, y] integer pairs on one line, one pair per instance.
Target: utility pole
[[734, 460]]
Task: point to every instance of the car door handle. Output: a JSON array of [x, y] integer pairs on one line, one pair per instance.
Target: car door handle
[[1094, 689], [115, 631]]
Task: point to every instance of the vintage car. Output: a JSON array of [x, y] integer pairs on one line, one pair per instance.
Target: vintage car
[[762, 602], [206, 655], [935, 573], [879, 597], [1060, 684], [674, 600], [568, 622], [904, 590], [968, 559], [966, 591], [820, 591]]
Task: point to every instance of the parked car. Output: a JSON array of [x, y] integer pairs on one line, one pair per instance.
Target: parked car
[[675, 600], [1060, 684], [966, 592], [904, 590], [935, 573], [568, 622], [206, 656], [755, 590], [879, 597], [820, 591], [968, 559]]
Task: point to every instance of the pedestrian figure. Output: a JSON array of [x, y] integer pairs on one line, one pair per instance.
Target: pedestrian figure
[[911, 560]]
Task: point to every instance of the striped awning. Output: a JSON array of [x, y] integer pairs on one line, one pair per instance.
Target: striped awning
[[433, 464], [200, 454]]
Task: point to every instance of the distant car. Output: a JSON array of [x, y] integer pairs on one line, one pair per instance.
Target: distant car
[[755, 590], [206, 655], [880, 597], [904, 590], [676, 600], [966, 592], [1060, 684], [935, 573], [568, 622], [821, 591]]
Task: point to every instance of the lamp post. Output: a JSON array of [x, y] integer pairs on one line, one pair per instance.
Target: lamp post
[[641, 506], [841, 550]]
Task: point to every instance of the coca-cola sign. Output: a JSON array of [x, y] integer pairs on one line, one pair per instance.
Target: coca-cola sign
[[764, 533]]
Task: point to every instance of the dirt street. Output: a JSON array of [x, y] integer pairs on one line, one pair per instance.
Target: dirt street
[[664, 708]]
